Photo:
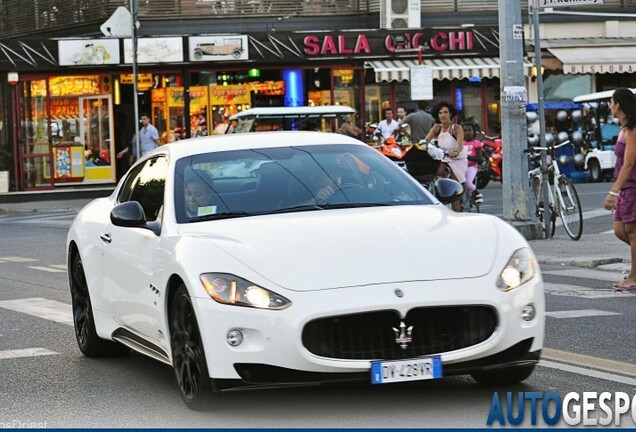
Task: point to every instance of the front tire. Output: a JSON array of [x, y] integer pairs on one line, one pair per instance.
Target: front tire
[[88, 342], [596, 175], [482, 179], [505, 376], [188, 356]]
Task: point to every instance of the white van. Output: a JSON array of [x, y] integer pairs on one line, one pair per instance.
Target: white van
[[600, 158], [326, 118]]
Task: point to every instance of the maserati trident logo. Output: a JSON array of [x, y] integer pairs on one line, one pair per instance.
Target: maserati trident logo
[[403, 335]]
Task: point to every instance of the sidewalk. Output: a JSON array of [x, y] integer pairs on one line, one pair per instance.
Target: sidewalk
[[601, 251]]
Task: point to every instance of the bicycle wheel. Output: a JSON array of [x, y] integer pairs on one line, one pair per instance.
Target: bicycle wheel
[[572, 213]]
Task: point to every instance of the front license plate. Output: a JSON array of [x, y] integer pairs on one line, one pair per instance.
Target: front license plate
[[385, 372]]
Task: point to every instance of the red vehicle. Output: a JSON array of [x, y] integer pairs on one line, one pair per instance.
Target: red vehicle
[[492, 166]]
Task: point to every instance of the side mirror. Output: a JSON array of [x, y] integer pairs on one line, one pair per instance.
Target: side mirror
[[448, 191], [129, 214]]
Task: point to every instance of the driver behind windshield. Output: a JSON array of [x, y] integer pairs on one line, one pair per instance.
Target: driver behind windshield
[[200, 198]]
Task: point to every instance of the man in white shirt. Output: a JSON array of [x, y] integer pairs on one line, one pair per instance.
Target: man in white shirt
[[148, 135], [388, 125]]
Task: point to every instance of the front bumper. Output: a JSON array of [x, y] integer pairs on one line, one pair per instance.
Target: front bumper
[[272, 350], [261, 375]]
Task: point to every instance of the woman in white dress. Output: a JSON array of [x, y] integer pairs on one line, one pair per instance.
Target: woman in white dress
[[450, 138]]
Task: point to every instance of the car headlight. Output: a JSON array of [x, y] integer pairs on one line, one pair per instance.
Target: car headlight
[[233, 290], [521, 267]]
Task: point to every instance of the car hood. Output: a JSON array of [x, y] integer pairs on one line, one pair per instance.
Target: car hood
[[342, 248]]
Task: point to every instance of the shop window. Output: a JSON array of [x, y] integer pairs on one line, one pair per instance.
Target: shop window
[[492, 125], [35, 142], [559, 87], [468, 102]]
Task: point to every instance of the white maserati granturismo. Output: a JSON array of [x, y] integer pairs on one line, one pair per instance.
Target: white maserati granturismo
[[299, 257]]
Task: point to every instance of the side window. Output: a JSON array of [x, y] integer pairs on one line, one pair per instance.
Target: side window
[[131, 180], [146, 184]]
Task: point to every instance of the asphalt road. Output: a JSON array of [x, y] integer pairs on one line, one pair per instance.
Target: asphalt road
[[590, 341]]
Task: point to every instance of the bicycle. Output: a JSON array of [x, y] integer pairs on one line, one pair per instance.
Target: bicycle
[[564, 200]]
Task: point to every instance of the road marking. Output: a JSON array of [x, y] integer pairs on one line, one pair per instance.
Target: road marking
[[17, 259], [26, 352], [584, 273], [47, 269], [606, 369], [59, 266], [42, 308], [591, 214], [581, 292], [581, 313]]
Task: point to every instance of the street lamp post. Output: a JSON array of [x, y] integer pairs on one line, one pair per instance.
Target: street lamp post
[[133, 12]]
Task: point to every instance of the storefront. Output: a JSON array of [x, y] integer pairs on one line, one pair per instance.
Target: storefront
[[74, 124]]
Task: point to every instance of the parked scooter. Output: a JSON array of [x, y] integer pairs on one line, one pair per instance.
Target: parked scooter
[[491, 167]]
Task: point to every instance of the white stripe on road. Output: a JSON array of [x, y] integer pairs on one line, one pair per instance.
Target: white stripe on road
[[42, 308], [581, 292], [26, 352], [17, 259], [59, 266], [588, 372], [47, 269], [584, 273], [581, 313], [590, 214]]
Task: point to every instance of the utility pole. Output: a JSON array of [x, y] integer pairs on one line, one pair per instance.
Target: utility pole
[[514, 125]]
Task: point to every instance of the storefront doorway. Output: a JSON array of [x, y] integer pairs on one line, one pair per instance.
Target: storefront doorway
[[96, 132]]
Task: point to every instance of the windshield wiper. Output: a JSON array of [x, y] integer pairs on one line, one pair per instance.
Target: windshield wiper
[[300, 208], [224, 215], [355, 205], [327, 206]]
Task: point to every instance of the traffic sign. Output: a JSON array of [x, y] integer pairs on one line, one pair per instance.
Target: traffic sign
[[119, 23]]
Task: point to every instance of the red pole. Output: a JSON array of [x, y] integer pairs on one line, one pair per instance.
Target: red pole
[[419, 55]]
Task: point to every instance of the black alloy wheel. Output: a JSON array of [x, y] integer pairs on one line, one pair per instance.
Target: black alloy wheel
[[188, 356], [88, 342]]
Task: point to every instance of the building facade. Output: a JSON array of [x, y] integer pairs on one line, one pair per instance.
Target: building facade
[[67, 100]]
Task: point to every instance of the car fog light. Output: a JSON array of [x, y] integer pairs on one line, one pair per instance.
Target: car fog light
[[528, 312], [234, 337]]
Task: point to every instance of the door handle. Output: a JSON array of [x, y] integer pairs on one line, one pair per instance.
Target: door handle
[[105, 238]]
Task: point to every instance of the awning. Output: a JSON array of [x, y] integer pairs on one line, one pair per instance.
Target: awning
[[597, 59], [447, 68]]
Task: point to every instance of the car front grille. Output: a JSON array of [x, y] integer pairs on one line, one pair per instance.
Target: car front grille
[[371, 335]]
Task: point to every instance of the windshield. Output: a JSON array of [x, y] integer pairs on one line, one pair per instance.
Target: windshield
[[243, 183]]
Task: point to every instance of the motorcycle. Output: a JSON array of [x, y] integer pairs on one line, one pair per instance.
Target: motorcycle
[[492, 165]]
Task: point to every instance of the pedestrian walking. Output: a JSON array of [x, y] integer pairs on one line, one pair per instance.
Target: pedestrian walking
[[622, 197], [148, 135], [420, 122]]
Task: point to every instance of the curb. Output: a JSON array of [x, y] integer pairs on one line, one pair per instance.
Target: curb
[[585, 262]]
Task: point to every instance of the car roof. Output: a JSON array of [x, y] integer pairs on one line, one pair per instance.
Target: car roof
[[598, 96], [334, 110], [214, 143]]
